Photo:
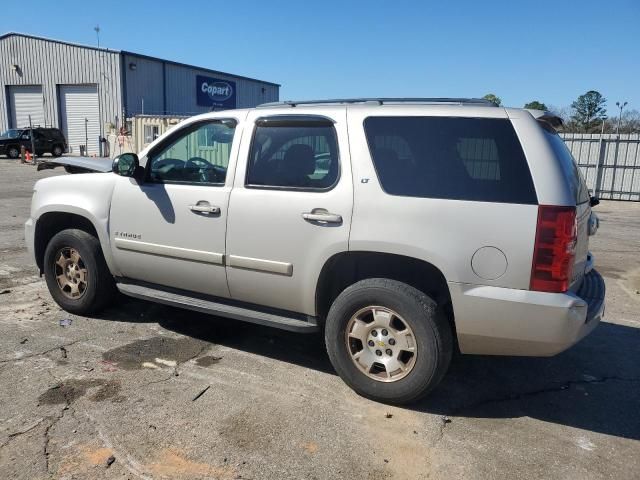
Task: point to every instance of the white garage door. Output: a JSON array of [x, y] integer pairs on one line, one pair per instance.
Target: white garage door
[[79, 108], [25, 101]]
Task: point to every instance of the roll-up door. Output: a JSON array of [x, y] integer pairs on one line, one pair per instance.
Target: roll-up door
[[80, 115], [25, 101]]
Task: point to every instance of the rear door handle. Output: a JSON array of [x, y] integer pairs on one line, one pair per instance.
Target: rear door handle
[[320, 215], [204, 207]]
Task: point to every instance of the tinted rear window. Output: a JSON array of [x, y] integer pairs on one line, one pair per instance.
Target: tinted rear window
[[449, 157], [571, 171]]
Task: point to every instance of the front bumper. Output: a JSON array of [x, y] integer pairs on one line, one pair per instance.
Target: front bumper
[[502, 321]]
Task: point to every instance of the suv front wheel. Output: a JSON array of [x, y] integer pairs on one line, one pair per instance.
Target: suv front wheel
[[13, 152], [388, 341], [77, 275]]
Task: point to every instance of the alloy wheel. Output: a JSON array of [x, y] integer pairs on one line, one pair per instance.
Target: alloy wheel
[[70, 273], [381, 344]]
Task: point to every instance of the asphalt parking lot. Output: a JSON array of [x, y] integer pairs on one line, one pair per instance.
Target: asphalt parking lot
[[166, 393]]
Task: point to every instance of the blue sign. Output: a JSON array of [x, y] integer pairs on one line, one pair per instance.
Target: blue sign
[[213, 92]]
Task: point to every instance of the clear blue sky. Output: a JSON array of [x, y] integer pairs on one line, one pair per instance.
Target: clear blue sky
[[549, 50]]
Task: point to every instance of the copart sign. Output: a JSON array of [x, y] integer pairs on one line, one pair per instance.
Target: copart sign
[[213, 92]]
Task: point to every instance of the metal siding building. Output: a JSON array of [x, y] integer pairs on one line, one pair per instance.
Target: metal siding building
[[50, 65], [84, 90], [168, 88]]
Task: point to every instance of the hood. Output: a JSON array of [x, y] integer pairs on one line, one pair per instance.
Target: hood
[[77, 164]]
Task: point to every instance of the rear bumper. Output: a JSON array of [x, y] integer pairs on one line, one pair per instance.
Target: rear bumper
[[503, 321]]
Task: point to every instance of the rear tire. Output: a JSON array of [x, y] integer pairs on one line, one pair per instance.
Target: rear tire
[[57, 151], [409, 357], [76, 273]]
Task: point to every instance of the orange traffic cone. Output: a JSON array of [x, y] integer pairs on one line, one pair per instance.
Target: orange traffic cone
[[28, 157]]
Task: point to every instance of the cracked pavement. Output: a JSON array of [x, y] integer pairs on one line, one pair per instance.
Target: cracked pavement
[[175, 394]]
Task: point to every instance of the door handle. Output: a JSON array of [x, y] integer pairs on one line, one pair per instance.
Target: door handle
[[322, 216], [204, 207]]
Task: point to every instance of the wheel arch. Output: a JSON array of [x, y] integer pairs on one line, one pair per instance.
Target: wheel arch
[[52, 222], [346, 268]]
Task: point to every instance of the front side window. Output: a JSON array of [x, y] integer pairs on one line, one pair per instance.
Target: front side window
[[198, 153], [286, 155], [451, 158]]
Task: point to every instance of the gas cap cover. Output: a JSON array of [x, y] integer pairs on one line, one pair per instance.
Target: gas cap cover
[[489, 263]]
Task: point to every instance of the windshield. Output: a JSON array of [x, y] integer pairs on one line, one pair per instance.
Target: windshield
[[10, 133]]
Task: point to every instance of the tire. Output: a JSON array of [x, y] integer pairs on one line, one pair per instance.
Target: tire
[[430, 332], [57, 151], [13, 152], [92, 272]]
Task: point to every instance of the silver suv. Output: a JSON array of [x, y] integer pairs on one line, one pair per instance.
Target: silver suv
[[404, 229]]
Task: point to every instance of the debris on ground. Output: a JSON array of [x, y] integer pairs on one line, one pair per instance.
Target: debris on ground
[[202, 392], [168, 363], [65, 322], [446, 419], [6, 290], [23, 341], [388, 415], [109, 366], [110, 460], [63, 352]]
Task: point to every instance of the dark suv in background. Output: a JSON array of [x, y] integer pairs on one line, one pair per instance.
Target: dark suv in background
[[45, 140]]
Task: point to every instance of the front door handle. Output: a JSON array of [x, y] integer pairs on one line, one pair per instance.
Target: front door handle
[[204, 207], [321, 215]]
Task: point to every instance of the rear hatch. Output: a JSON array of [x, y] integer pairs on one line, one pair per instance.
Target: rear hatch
[[580, 192]]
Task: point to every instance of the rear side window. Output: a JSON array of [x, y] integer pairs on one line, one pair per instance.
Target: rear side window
[[293, 155], [449, 157], [571, 171]]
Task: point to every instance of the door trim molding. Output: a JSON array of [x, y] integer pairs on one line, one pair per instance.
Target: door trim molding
[[271, 266], [167, 251]]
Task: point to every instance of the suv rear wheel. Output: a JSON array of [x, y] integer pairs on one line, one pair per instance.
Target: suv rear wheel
[[388, 341], [76, 273], [57, 151]]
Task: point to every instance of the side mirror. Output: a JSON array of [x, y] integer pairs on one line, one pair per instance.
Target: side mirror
[[126, 165], [593, 201]]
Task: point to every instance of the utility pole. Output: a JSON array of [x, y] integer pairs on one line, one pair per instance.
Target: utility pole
[[620, 105], [97, 30], [33, 146]]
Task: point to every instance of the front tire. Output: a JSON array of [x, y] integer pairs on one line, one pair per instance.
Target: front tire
[[76, 273], [13, 152], [388, 341]]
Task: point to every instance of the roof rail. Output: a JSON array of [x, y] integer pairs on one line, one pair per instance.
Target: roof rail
[[383, 101]]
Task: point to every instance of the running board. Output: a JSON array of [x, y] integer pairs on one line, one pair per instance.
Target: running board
[[216, 308]]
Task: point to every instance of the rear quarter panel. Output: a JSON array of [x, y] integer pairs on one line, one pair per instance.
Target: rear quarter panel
[[445, 233]]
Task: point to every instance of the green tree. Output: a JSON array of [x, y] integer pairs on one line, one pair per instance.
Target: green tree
[[497, 101], [589, 110], [536, 105]]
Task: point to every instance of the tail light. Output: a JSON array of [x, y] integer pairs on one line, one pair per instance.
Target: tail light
[[554, 250]]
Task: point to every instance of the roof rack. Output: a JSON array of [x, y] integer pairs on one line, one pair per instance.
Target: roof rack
[[383, 101]]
